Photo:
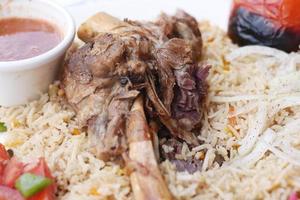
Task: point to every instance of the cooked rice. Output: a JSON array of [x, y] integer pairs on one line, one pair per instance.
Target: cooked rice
[[245, 91]]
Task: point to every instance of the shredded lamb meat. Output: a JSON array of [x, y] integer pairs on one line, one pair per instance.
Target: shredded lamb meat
[[156, 60]]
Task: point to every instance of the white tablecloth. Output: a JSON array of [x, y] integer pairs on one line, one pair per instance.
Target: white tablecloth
[[216, 11]]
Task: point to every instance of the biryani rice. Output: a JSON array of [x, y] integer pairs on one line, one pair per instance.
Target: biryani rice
[[240, 98]]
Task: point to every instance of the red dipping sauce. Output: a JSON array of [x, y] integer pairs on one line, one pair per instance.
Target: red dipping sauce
[[22, 38]]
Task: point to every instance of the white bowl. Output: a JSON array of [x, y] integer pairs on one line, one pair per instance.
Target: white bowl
[[24, 80]]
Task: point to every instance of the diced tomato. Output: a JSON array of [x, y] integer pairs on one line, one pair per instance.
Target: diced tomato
[[3, 153], [7, 193], [46, 194], [2, 166], [293, 196], [4, 156], [42, 169], [11, 172]]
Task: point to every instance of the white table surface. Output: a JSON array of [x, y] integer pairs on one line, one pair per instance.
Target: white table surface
[[216, 11]]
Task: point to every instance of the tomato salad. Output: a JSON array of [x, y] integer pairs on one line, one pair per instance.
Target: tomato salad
[[20, 181]]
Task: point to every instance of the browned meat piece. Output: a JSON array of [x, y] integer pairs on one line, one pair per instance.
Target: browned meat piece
[[99, 81], [190, 95], [124, 59], [166, 118], [190, 88]]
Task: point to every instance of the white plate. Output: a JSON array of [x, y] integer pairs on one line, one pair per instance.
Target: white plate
[[214, 10]]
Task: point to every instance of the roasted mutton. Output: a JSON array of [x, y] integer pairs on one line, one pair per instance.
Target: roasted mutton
[[126, 68]]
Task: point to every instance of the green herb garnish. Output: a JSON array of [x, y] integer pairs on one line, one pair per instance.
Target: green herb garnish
[[3, 127]]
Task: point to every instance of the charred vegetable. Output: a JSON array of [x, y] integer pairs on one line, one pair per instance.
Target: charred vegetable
[[269, 23]]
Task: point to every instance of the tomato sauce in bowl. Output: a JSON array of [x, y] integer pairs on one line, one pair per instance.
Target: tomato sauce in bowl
[[22, 38], [29, 69]]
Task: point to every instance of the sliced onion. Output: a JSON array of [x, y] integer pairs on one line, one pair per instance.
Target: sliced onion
[[255, 130], [285, 83], [284, 156], [289, 150], [228, 99], [283, 103], [290, 128], [289, 65], [256, 50], [258, 152]]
